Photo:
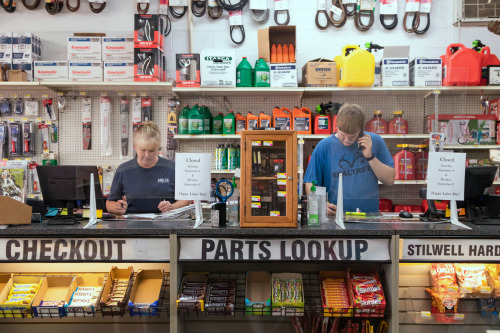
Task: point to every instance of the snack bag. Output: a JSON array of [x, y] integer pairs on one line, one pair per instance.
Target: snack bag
[[494, 272], [444, 279], [472, 278], [443, 305]]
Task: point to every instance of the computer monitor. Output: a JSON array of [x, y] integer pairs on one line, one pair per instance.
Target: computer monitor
[[64, 186], [477, 180]]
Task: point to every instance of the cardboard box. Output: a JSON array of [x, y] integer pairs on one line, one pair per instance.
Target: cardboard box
[[426, 72], [84, 48], [283, 308], [25, 48], [18, 310], [120, 274], [6, 48], [145, 295], [15, 75], [148, 31], [85, 71], [192, 305], [218, 68], [148, 65], [336, 312], [118, 49], [283, 75], [119, 71], [4, 279], [84, 281], [28, 68], [258, 293], [319, 73], [53, 288], [394, 67], [275, 35], [187, 70], [463, 129], [494, 108], [51, 71], [14, 212]]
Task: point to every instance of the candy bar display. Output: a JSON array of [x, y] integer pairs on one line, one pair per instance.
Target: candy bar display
[[335, 294], [472, 280], [116, 291], [18, 295], [145, 295], [444, 279], [192, 293], [221, 296], [54, 293], [368, 295], [287, 294], [84, 298]]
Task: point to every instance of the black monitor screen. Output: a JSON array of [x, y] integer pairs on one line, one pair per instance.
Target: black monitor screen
[[477, 180], [63, 186]]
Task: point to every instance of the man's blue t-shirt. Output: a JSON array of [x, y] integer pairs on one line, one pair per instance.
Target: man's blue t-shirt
[[331, 157], [144, 187]]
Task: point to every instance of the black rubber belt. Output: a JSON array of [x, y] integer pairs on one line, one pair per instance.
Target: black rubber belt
[[230, 7], [427, 26], [338, 23], [276, 12], [168, 25], [199, 4], [32, 6], [322, 27], [141, 10], [350, 12], [392, 25], [242, 29], [359, 24], [175, 14], [215, 12], [54, 7], [415, 22], [97, 9], [71, 8]]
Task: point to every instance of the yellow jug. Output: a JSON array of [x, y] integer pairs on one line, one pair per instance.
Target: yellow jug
[[355, 67]]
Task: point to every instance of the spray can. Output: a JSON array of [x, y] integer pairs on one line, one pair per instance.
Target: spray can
[[261, 74], [252, 121], [421, 162], [398, 125], [264, 120], [376, 124], [217, 124], [404, 163], [244, 74], [184, 120], [229, 123]]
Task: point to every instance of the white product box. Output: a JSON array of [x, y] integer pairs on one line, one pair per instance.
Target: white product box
[[426, 72], [283, 75], [119, 71], [85, 71], [6, 47], [24, 48], [218, 68], [84, 48], [395, 72], [28, 68], [117, 49], [379, 54], [51, 71]]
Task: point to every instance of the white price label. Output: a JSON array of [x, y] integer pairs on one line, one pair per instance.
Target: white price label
[[367, 5], [268, 143], [412, 5], [281, 176], [256, 205], [425, 314], [213, 3], [336, 10], [259, 4], [321, 4], [178, 3], [281, 181], [425, 6], [388, 7], [255, 198], [281, 193], [280, 4], [256, 143], [236, 17], [274, 213], [459, 316]]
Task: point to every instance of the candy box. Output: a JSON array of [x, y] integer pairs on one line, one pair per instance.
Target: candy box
[[258, 293], [287, 294], [16, 310], [53, 294], [333, 289], [220, 297], [145, 295], [114, 299], [85, 295], [367, 294], [192, 292]]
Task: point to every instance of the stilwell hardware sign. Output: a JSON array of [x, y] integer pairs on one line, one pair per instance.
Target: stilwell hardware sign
[[85, 249], [228, 249], [451, 250]]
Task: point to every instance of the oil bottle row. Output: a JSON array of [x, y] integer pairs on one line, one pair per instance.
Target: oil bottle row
[[246, 76]]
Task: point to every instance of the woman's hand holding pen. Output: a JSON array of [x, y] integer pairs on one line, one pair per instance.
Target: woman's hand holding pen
[[165, 206]]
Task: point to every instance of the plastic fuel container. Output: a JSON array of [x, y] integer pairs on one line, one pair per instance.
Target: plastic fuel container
[[196, 120], [217, 122], [301, 120], [241, 123], [461, 66], [262, 74], [404, 163], [377, 124], [264, 120], [421, 162], [281, 118], [252, 121], [322, 123], [207, 121], [398, 125], [355, 67], [229, 123], [184, 120]]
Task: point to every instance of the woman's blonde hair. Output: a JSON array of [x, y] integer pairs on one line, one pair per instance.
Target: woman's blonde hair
[[148, 136], [350, 119]]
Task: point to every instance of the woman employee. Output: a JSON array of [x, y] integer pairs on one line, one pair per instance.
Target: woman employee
[[145, 184]]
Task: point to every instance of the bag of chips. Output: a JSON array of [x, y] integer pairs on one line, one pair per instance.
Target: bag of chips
[[444, 279], [444, 306], [472, 279], [494, 272]]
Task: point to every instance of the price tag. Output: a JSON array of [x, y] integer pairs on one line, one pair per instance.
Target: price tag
[[236, 17], [336, 10], [425, 6], [425, 314], [143, 94], [282, 194], [281, 176], [274, 213], [412, 5], [321, 4], [255, 198], [60, 94], [133, 94], [14, 96], [367, 5], [281, 181], [213, 3], [459, 316], [104, 93], [256, 205], [268, 143], [258, 4], [256, 143], [120, 93], [301, 141], [280, 4], [388, 7], [83, 93], [43, 96]]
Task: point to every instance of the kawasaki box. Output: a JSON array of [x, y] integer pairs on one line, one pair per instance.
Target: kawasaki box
[[218, 68]]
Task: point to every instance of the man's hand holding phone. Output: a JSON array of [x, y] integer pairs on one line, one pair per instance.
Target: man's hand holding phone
[[365, 144]]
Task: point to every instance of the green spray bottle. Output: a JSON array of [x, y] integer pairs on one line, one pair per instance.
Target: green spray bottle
[[184, 120], [217, 124], [196, 120], [261, 74], [244, 73], [229, 123]]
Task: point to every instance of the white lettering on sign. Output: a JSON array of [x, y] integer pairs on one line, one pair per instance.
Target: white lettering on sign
[[81, 249], [284, 249], [450, 249]]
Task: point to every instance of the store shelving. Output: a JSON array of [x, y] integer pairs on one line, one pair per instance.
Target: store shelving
[[138, 87], [251, 91], [471, 147], [206, 136]]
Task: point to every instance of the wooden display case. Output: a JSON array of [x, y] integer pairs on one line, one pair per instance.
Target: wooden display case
[[268, 179]]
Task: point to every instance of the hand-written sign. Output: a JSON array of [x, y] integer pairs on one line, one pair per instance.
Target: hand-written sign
[[451, 249], [224, 249], [446, 176], [192, 176]]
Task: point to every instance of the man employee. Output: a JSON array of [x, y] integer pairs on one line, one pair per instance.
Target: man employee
[[361, 157]]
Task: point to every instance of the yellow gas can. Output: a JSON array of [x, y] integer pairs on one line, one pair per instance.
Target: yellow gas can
[[355, 67]]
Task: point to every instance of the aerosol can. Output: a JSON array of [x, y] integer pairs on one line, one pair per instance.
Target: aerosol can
[[404, 163]]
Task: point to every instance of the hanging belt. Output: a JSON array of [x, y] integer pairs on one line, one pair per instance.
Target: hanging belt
[[338, 23], [322, 27], [97, 9], [262, 18], [71, 8], [358, 22], [230, 7], [199, 4], [168, 25], [214, 12], [276, 12], [10, 7], [350, 12], [175, 14], [392, 25], [54, 7], [141, 10], [242, 29], [427, 26], [32, 6], [415, 22]]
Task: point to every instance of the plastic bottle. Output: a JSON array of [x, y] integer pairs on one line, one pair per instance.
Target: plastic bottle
[[421, 162], [229, 125], [217, 124], [231, 157], [241, 123], [252, 121], [404, 163], [184, 120], [286, 55], [376, 124], [207, 119], [281, 118], [261, 74], [234, 207], [398, 125], [238, 152], [313, 206], [220, 157], [291, 53], [264, 120], [279, 53], [196, 120], [301, 120], [303, 211], [244, 74]]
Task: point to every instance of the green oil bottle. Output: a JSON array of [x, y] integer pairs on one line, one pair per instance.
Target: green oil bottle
[[217, 124], [244, 74], [261, 74], [184, 120], [196, 120], [229, 123]]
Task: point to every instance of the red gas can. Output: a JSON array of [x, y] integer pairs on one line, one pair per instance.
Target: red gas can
[[377, 124], [488, 59], [421, 162], [398, 125], [461, 66], [404, 163]]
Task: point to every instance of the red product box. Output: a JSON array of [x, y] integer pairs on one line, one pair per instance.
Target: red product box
[[187, 70], [369, 304], [465, 129], [494, 108], [148, 65], [498, 133], [148, 31]]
